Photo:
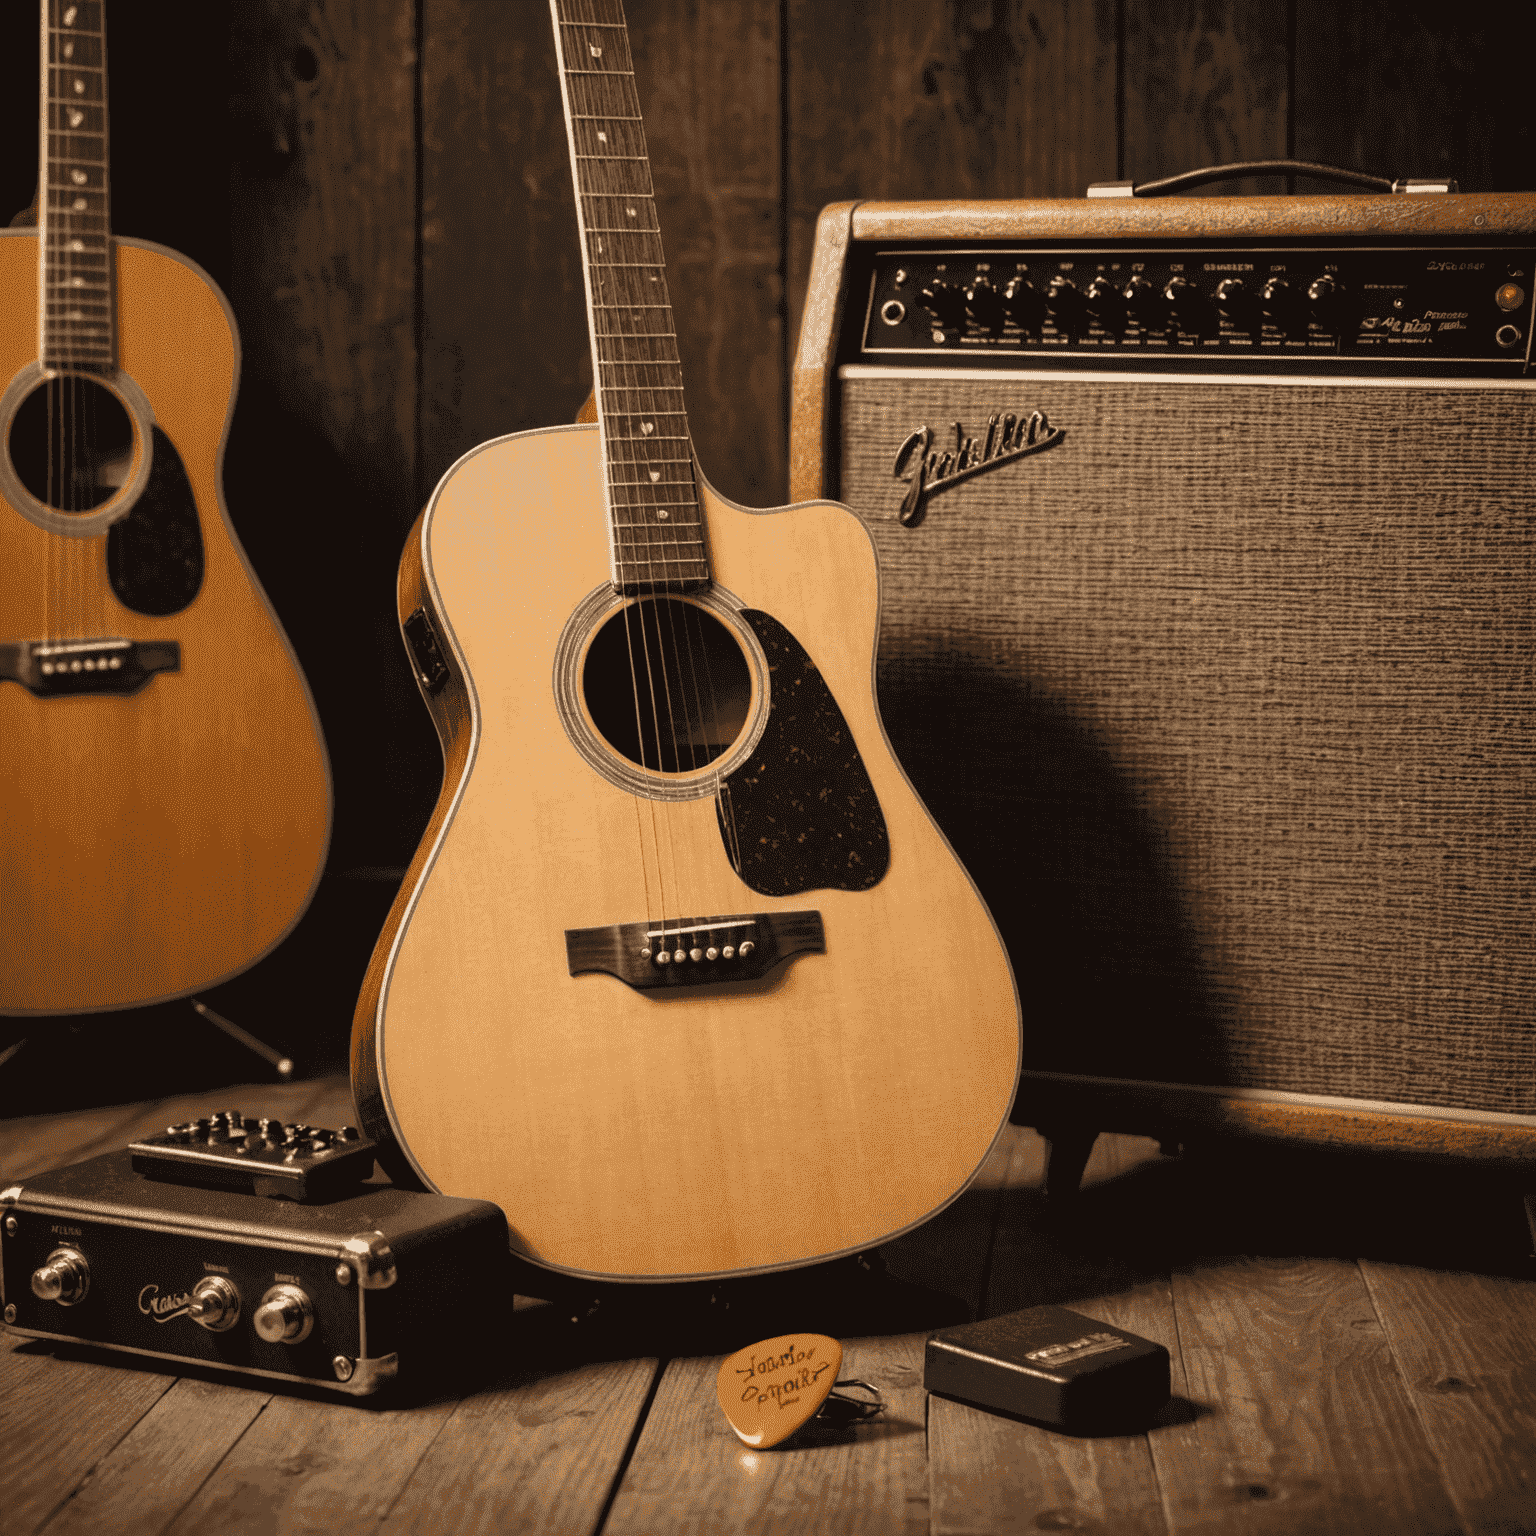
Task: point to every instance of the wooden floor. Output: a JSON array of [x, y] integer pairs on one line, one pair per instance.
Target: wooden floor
[[1354, 1350]]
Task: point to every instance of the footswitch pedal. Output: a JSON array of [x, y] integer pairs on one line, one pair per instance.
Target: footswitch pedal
[[343, 1292]]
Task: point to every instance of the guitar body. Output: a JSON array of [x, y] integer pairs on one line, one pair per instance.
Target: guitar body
[[693, 1131], [156, 842]]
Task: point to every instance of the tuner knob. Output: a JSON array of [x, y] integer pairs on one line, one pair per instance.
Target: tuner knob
[[984, 304], [65, 1278], [215, 1304], [286, 1315], [1104, 303], [1065, 303], [945, 303], [1141, 299], [1025, 307]]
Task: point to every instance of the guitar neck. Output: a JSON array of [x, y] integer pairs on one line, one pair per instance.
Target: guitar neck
[[656, 526], [76, 322]]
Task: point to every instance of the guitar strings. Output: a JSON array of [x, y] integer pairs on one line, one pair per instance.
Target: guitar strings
[[606, 284], [639, 385]]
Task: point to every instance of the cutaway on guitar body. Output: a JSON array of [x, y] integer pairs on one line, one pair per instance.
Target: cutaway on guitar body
[[733, 1126]]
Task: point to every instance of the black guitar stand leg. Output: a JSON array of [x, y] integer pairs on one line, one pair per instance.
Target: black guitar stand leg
[[283, 1065]]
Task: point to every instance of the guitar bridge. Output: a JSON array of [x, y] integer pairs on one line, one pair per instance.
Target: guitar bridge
[[695, 951], [55, 668]]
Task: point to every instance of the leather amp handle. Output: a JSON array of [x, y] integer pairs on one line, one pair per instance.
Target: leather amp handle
[[1188, 179]]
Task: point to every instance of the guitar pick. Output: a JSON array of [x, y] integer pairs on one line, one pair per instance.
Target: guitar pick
[[769, 1390]]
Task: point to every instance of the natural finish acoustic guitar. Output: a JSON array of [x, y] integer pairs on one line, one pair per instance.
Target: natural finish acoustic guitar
[[167, 795], [682, 975]]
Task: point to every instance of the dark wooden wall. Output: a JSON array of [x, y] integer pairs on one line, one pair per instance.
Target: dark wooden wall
[[381, 188]]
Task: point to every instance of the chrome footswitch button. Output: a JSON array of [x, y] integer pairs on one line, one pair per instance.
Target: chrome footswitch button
[[215, 1304], [1508, 336], [65, 1278], [285, 1315]]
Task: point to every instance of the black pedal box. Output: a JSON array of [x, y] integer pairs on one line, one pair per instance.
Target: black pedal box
[[1051, 1365], [345, 1294]]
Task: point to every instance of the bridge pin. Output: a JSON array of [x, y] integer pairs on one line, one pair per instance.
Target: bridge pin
[[711, 953], [729, 952], [695, 955], [747, 946], [645, 954], [664, 957], [679, 955]]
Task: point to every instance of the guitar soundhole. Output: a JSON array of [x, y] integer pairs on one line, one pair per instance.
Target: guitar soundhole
[[667, 685], [71, 443]]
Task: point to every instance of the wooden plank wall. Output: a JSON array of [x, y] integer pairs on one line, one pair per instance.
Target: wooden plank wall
[[387, 203]]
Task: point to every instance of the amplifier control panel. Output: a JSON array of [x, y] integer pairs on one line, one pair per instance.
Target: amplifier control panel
[[1372, 306]]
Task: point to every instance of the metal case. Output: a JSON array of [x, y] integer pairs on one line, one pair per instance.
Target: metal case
[[393, 1279]]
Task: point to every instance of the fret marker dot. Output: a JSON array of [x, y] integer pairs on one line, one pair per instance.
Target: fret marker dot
[[655, 476], [70, 14], [630, 212], [77, 245], [79, 87], [647, 427], [69, 49], [76, 117], [602, 138], [78, 177], [597, 52], [662, 515], [80, 205]]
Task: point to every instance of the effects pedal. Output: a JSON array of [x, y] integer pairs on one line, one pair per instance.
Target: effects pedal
[[251, 1246]]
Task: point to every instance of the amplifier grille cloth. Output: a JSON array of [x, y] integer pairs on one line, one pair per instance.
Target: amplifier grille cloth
[[1225, 702]]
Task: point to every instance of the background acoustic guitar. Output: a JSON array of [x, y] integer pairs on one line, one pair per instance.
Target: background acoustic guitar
[[167, 794], [682, 975]]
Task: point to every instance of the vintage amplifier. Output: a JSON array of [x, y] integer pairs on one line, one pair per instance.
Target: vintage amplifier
[[1207, 530]]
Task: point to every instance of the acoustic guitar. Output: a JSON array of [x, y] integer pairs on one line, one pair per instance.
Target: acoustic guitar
[[682, 975], [167, 794]]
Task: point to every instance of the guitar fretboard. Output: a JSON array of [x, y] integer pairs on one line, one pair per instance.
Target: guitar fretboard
[[655, 523], [76, 313]]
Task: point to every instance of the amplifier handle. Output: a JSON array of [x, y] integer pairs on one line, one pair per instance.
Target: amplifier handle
[[1188, 179]]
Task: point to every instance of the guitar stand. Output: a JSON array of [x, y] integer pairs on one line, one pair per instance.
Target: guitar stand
[[283, 1065]]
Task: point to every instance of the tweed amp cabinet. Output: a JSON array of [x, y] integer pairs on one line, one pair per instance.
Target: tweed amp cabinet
[[1207, 530]]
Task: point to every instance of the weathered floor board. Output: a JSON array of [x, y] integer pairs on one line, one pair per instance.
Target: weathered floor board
[[1353, 1350], [1466, 1346]]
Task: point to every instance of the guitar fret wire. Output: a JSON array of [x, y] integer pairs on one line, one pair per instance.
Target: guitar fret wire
[[614, 157], [615, 73], [603, 117]]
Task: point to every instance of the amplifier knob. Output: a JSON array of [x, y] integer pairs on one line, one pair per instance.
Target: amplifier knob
[[65, 1278], [1105, 304], [1236, 303], [1025, 307], [1142, 300], [215, 1304], [1325, 298], [1185, 304], [1065, 303], [945, 303], [285, 1315], [984, 304], [1279, 302]]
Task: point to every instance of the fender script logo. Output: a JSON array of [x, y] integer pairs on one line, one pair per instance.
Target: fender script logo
[[163, 1308], [1007, 438]]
